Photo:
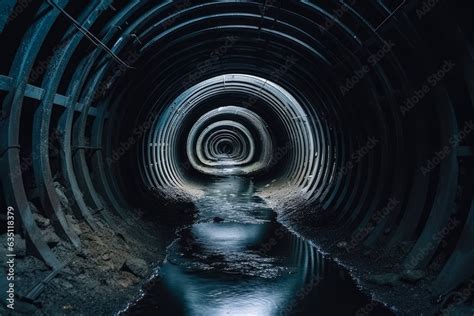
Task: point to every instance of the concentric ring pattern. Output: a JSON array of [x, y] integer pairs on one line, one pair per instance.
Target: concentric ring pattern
[[353, 105]]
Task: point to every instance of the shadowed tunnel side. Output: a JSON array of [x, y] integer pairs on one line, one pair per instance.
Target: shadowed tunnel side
[[355, 115]]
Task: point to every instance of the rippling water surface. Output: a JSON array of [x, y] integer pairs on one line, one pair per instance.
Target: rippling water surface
[[237, 260]]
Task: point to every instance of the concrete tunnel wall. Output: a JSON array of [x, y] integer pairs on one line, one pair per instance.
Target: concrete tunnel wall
[[365, 109]]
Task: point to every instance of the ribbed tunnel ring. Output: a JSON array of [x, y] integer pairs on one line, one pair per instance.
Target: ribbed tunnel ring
[[208, 146], [338, 125]]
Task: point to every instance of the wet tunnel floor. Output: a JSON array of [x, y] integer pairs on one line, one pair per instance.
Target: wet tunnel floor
[[236, 259]]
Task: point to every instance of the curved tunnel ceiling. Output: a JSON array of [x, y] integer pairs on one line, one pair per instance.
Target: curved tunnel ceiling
[[351, 105]]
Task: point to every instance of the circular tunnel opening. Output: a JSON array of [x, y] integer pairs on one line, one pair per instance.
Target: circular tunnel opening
[[352, 120]]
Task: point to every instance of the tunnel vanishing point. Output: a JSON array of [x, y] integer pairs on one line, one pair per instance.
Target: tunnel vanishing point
[[352, 115]]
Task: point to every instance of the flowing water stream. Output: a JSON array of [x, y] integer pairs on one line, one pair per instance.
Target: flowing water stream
[[236, 259]]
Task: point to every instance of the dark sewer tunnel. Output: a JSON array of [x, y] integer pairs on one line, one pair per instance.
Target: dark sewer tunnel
[[352, 119]]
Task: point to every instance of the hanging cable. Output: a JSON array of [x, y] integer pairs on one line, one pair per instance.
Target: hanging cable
[[97, 42]]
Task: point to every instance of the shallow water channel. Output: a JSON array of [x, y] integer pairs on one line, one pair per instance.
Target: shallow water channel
[[236, 259]]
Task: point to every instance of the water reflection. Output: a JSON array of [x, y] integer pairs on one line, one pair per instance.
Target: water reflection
[[237, 260]]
